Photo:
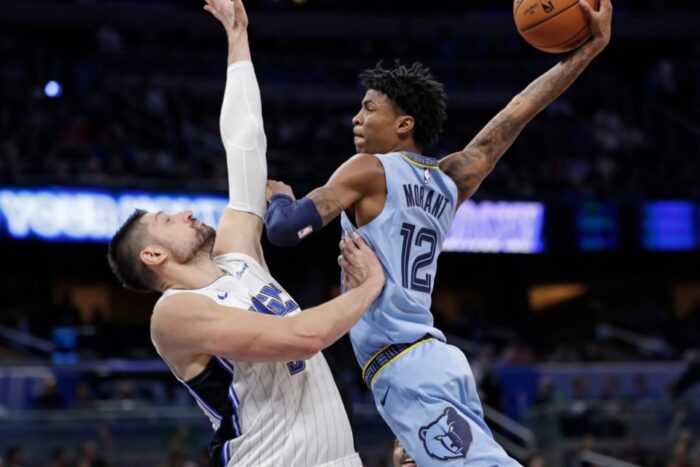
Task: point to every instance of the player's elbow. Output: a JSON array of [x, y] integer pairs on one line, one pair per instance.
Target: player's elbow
[[310, 347], [309, 339], [287, 221], [242, 133], [303, 348], [280, 233]]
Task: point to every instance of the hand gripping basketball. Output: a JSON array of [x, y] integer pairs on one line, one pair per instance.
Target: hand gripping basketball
[[562, 25]]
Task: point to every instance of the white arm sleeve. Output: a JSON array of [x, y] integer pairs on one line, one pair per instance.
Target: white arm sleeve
[[244, 139]]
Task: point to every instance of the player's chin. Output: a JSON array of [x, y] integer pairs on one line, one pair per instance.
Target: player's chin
[[359, 144]]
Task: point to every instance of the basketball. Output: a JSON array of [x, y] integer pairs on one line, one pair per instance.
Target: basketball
[[553, 26]]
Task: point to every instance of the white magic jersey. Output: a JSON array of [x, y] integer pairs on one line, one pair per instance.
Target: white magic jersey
[[269, 414]]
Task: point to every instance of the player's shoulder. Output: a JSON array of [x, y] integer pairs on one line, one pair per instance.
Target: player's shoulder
[[177, 303], [365, 164], [364, 159], [360, 171]]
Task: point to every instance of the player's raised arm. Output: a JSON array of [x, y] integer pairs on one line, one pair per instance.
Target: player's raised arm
[[289, 220], [243, 137], [469, 167], [252, 337]]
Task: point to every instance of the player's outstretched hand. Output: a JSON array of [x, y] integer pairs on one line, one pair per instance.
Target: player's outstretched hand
[[231, 13], [600, 22], [274, 187], [360, 264]]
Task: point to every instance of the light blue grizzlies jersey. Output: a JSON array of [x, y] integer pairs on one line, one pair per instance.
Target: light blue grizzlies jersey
[[407, 236]]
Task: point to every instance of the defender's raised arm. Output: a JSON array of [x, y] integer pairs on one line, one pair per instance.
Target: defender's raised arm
[[243, 136]]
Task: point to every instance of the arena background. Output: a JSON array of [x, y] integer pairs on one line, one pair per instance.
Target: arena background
[[573, 286]]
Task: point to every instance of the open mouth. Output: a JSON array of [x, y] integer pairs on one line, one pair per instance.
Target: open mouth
[[408, 462]]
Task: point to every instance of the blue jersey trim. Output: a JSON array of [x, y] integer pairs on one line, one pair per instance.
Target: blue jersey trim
[[232, 397], [235, 404], [225, 453], [424, 161], [225, 364], [203, 404]]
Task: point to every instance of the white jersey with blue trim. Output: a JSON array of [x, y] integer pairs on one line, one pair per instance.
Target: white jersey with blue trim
[[407, 236], [268, 414]]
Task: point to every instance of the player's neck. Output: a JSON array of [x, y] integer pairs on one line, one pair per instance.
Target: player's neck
[[194, 275], [407, 147]]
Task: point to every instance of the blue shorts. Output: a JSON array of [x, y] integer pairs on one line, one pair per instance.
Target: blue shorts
[[428, 397]]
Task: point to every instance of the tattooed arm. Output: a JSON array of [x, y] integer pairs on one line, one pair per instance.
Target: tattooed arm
[[469, 167], [359, 178]]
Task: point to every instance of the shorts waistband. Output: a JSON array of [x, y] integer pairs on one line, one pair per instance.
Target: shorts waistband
[[387, 355]]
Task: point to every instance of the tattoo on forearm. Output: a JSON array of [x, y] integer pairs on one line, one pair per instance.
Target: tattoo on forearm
[[549, 86], [469, 167], [327, 203]]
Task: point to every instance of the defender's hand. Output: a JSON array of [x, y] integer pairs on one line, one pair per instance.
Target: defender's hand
[[360, 264], [600, 23], [274, 187], [231, 13]]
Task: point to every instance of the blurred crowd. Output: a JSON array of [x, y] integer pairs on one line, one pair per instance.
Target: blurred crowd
[[446, 6], [139, 107], [103, 105]]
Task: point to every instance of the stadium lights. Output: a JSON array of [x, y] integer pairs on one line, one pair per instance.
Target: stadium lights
[[53, 89]]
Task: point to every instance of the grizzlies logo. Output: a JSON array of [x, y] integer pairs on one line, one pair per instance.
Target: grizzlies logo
[[448, 437]]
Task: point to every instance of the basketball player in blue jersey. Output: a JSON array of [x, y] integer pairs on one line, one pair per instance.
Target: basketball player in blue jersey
[[402, 202], [227, 330]]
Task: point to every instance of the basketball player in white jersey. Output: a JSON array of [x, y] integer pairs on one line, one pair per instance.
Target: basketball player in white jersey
[[227, 330]]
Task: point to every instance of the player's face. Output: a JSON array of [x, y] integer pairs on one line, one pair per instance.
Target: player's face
[[401, 457], [375, 125], [181, 233]]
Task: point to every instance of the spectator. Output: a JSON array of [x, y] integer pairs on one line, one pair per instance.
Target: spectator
[[59, 457], [49, 398], [536, 461], [89, 457], [15, 456], [400, 457]]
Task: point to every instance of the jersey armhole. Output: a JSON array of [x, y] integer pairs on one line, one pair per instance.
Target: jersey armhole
[[389, 197]]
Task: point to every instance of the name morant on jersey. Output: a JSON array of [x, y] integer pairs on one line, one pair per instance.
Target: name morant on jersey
[[428, 200]]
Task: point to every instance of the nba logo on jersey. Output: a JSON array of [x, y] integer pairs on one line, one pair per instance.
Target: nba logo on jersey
[[427, 176]]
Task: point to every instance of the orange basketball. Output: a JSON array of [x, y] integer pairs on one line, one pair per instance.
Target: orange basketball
[[552, 25]]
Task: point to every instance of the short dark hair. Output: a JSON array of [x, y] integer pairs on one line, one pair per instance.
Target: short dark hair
[[123, 255], [413, 90]]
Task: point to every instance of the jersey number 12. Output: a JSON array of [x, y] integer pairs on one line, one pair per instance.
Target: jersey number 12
[[410, 277]]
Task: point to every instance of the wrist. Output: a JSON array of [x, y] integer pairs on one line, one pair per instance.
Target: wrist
[[374, 286], [236, 36]]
